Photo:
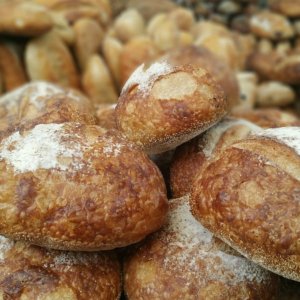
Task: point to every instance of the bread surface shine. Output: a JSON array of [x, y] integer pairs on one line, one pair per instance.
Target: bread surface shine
[[248, 196], [75, 187]]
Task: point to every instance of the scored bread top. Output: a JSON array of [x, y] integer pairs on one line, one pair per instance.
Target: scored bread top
[[192, 156], [72, 186]]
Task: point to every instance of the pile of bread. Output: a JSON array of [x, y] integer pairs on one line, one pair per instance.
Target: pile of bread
[[179, 190]]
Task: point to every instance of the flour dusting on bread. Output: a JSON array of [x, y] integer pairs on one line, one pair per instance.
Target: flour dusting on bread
[[213, 135], [289, 136], [145, 79], [46, 146], [197, 247]]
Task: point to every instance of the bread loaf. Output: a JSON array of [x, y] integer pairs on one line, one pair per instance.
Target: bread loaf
[[249, 196], [31, 272], [41, 103], [162, 104], [192, 156], [74, 187], [269, 117], [185, 261]]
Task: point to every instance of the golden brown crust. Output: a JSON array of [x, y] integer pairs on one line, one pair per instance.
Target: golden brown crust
[[41, 103], [31, 272], [24, 18], [137, 51], [55, 63], [163, 105], [287, 7], [87, 44], [192, 156], [274, 66], [269, 117], [11, 67], [185, 261], [249, 195], [72, 187], [216, 67], [97, 81]]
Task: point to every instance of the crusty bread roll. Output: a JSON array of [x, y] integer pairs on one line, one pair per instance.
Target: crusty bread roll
[[55, 62], [97, 81], [247, 82], [40, 103], [275, 66], [24, 18], [249, 196], [190, 157], [105, 115], [269, 117], [31, 272], [74, 187], [185, 261], [162, 104], [267, 24], [274, 93], [89, 44], [138, 50], [221, 72]]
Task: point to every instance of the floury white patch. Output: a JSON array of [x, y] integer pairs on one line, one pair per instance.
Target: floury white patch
[[46, 146]]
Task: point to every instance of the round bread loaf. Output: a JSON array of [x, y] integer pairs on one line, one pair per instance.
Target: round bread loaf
[[74, 187], [190, 157], [162, 104], [185, 261], [40, 103], [215, 66], [31, 272], [269, 117], [249, 196]]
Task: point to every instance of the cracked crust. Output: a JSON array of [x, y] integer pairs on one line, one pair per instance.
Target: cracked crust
[[185, 261], [74, 187], [249, 196], [30, 272]]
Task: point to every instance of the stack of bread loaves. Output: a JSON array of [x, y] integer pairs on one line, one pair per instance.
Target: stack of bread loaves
[[85, 174], [73, 192]]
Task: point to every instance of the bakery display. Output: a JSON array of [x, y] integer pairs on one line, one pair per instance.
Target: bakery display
[[31, 272], [110, 107], [192, 156], [248, 195], [72, 186], [184, 260]]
